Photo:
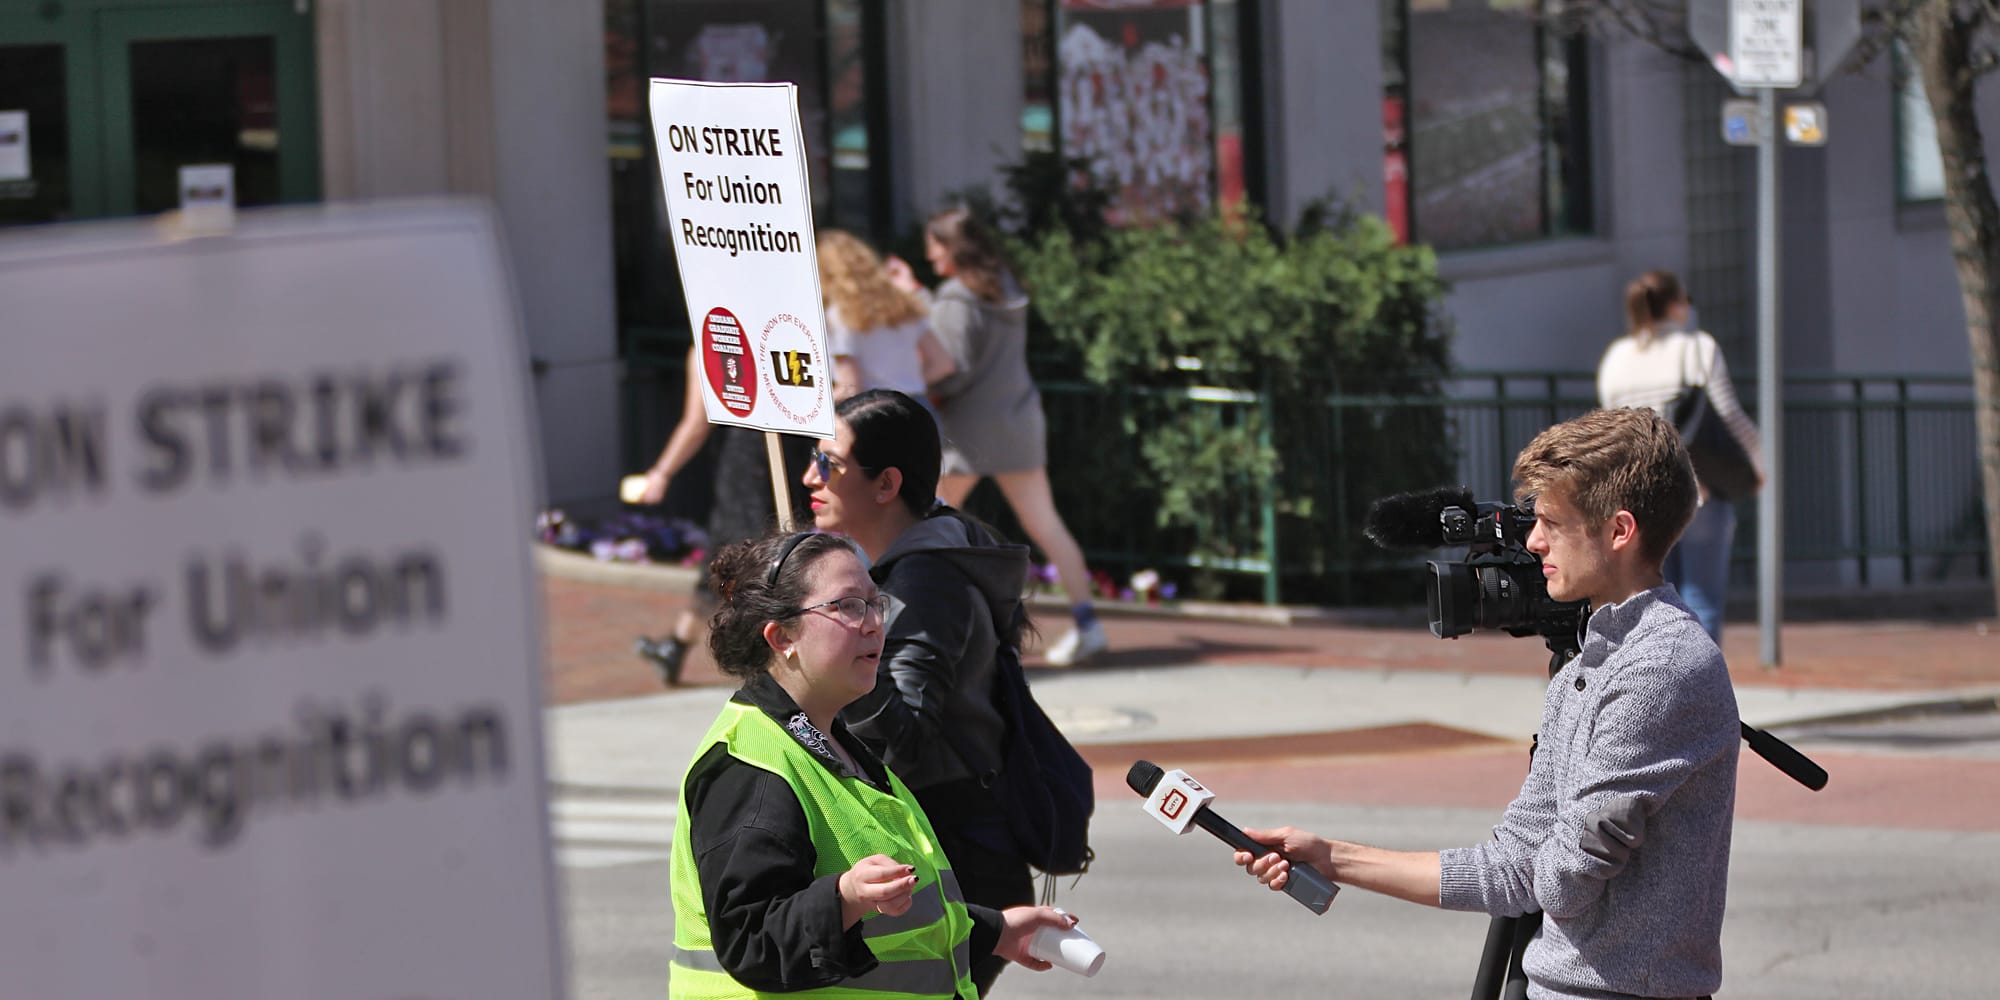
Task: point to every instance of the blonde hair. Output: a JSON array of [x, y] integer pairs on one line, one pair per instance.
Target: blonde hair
[[1606, 461], [853, 281]]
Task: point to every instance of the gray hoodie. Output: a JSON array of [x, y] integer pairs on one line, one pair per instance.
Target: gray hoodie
[[954, 593]]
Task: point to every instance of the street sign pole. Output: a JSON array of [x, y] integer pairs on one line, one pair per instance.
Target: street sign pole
[[1760, 45], [1770, 388], [1765, 54]]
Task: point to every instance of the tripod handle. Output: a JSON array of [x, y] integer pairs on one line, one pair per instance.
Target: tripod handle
[[1797, 766]]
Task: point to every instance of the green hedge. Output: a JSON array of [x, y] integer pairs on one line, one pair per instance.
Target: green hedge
[[1200, 378]]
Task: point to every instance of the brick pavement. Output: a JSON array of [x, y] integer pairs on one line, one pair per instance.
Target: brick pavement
[[591, 625]]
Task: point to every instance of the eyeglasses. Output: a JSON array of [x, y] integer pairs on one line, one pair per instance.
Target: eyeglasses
[[853, 611], [826, 465]]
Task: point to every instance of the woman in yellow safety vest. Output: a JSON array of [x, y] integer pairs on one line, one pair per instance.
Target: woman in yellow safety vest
[[801, 864]]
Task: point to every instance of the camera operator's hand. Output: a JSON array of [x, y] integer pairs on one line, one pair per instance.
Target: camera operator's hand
[[1299, 845]]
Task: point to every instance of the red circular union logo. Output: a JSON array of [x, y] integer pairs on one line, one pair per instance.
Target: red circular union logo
[[726, 361]]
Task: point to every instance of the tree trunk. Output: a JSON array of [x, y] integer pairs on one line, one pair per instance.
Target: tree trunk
[[1941, 39]]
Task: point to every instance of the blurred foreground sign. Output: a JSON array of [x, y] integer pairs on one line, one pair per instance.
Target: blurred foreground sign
[[269, 642]]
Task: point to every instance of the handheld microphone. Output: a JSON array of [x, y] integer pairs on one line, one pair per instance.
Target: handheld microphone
[[1415, 520], [1180, 802]]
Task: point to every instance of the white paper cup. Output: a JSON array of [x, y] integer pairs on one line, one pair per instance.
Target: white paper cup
[[1071, 949]]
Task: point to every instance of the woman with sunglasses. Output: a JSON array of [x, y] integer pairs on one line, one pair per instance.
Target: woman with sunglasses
[[955, 597], [804, 863]]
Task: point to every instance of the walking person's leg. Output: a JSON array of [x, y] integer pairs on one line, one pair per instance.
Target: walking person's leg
[[669, 655], [1028, 493], [1698, 566]]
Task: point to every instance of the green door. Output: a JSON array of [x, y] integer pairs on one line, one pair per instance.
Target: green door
[[120, 95], [224, 84], [48, 105]]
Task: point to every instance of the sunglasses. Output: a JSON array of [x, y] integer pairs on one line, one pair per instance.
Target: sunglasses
[[826, 465]]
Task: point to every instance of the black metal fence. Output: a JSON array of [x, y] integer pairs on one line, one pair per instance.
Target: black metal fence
[[1881, 471], [1882, 479]]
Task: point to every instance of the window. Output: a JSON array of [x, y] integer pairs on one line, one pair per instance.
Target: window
[[1150, 92], [34, 135], [825, 46], [1485, 122], [1038, 74], [1919, 168]]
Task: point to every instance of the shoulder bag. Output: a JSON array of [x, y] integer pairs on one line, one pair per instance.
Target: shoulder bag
[[1720, 463]]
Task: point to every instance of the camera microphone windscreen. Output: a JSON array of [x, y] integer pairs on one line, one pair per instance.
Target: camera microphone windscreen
[[1412, 520]]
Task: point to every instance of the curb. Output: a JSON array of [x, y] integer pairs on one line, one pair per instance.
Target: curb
[[1976, 702], [568, 565], [1930, 603], [602, 791], [1969, 703]]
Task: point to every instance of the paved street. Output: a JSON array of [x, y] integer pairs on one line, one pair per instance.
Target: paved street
[[1815, 911], [1885, 884]]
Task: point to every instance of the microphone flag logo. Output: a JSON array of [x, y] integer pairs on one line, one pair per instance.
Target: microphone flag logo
[[1176, 800]]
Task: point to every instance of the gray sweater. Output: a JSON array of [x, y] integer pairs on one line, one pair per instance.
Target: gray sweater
[[1620, 834], [989, 410]]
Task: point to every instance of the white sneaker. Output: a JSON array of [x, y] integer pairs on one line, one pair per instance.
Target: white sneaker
[[1078, 646]]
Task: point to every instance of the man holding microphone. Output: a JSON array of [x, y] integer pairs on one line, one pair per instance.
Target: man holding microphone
[[1620, 833]]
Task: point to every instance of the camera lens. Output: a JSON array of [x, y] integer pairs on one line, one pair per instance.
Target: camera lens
[[1503, 600], [1450, 591]]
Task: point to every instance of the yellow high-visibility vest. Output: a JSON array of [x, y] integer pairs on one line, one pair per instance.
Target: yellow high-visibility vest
[[924, 952]]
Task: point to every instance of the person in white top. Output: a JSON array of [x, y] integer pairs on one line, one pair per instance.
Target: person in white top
[[878, 334], [1662, 353]]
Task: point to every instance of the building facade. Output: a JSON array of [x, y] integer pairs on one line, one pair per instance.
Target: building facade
[[1547, 170]]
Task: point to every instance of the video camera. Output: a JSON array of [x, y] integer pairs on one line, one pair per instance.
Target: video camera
[[1499, 583]]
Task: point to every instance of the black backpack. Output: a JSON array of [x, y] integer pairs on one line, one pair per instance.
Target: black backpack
[[1043, 786]]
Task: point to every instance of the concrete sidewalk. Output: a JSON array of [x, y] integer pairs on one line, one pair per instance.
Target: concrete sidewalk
[[1187, 688]]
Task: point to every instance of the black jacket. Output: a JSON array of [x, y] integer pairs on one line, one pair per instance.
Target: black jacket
[[955, 592], [775, 926]]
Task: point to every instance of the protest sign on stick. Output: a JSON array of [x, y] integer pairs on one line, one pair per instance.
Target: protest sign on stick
[[739, 210]]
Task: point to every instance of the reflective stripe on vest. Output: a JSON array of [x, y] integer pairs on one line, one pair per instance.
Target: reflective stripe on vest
[[923, 952], [915, 977]]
